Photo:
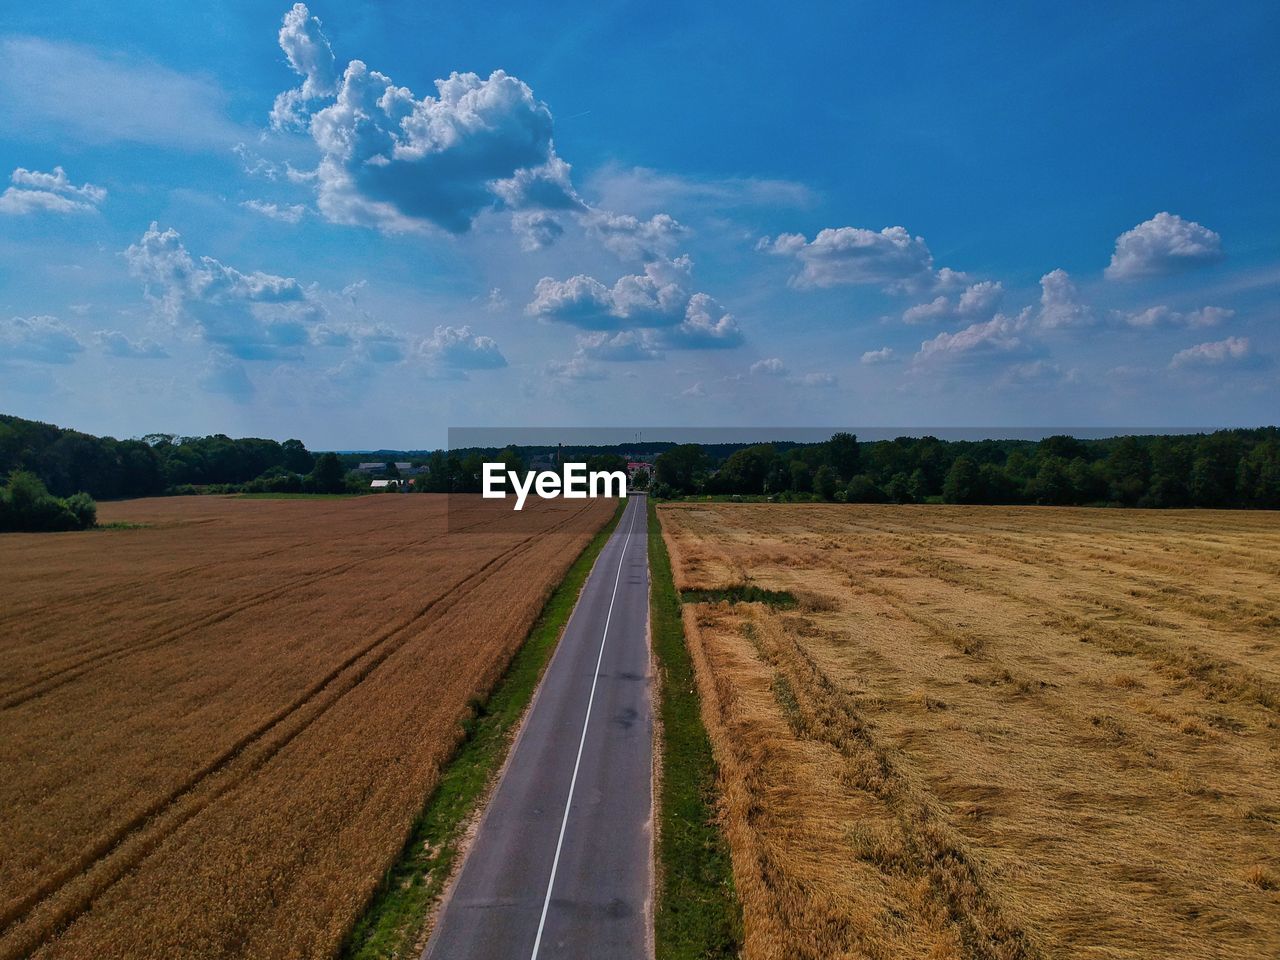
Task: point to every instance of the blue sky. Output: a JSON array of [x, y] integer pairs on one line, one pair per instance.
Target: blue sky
[[273, 221]]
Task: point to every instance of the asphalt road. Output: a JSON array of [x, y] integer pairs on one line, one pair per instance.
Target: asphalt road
[[561, 866]]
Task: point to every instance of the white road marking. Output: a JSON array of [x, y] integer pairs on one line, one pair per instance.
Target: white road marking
[[573, 782]]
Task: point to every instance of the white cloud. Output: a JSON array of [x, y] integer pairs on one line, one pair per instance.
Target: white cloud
[[620, 347], [307, 49], [939, 308], [883, 355], [457, 348], [83, 95], [291, 213], [1163, 316], [34, 191], [980, 299], [536, 229], [706, 326], [39, 339], [852, 255], [1162, 245], [1060, 304], [1214, 353], [771, 367], [116, 344], [695, 391], [999, 334], [657, 300], [394, 161], [631, 238], [253, 316]]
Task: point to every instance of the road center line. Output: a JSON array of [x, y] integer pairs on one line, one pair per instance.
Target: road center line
[[573, 782]]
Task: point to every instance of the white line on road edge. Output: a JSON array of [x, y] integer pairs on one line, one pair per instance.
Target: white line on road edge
[[573, 782]]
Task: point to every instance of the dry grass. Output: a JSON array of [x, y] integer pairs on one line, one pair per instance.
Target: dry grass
[[216, 730], [993, 732]]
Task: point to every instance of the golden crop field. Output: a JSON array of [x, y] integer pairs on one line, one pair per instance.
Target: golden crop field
[[989, 732], [216, 729]]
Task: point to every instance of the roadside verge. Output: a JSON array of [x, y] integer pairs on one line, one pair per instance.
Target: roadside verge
[[697, 915]]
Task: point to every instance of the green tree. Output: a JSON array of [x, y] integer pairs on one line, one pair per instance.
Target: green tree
[[328, 475], [899, 489], [842, 451], [862, 489], [964, 482], [826, 482], [801, 477], [681, 468], [1259, 475], [1128, 470], [297, 459], [1052, 483], [746, 469]]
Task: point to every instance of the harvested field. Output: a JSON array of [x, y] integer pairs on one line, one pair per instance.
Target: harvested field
[[217, 728], [984, 732]]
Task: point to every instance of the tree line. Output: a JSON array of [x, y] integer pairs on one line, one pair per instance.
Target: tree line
[[68, 461], [1227, 468]]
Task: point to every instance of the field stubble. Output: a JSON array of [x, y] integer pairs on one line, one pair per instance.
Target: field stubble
[[993, 732], [216, 729]]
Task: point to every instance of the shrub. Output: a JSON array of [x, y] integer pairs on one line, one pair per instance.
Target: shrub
[[26, 505]]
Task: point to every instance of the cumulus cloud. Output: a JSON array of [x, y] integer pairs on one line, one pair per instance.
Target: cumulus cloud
[[706, 326], [1162, 245], [883, 355], [33, 191], [657, 300], [978, 299], [1060, 304], [391, 160], [631, 238], [457, 348], [252, 316], [852, 255], [304, 44], [1000, 334], [116, 344], [39, 339], [770, 367], [1163, 316], [536, 229], [290, 213], [1214, 353], [939, 308], [623, 346]]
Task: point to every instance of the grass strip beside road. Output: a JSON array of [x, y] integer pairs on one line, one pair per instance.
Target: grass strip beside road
[[697, 914], [393, 924]]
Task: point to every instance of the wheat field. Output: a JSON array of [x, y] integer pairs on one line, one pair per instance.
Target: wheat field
[[986, 732], [217, 726]]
